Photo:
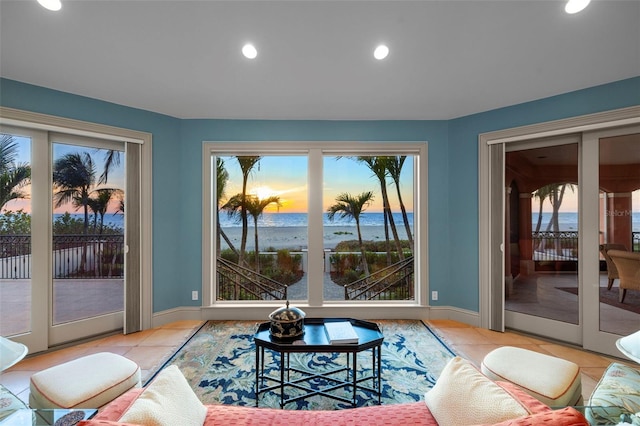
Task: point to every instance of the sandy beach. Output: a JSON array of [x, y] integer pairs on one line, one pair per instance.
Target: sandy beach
[[295, 237]]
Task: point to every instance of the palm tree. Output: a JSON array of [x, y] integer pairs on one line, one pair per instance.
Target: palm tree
[[378, 166], [349, 206], [555, 193], [74, 176], [111, 158], [100, 203], [247, 163], [120, 206], [394, 167], [13, 177], [255, 206], [555, 197], [222, 177], [541, 194]]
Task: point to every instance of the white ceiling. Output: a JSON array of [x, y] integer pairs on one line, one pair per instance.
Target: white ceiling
[[449, 58]]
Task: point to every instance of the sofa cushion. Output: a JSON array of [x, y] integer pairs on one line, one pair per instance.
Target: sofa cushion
[[168, 400], [567, 416], [416, 414], [89, 382], [554, 381], [617, 392], [410, 413], [116, 408], [461, 386]]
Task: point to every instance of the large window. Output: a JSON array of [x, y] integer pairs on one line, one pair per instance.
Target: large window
[[317, 222]]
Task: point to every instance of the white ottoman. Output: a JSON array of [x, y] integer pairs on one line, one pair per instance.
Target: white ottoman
[[553, 381], [87, 382]]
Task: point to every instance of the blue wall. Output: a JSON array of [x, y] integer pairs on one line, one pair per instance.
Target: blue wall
[[462, 289], [196, 131], [453, 173]]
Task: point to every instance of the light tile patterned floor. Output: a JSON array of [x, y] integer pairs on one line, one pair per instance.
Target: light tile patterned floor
[[474, 343], [151, 348]]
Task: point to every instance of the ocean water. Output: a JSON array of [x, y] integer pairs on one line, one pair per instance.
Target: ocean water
[[110, 219], [569, 221], [285, 220]]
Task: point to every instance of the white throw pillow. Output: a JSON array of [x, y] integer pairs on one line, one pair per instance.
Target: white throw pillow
[[167, 401], [462, 395]]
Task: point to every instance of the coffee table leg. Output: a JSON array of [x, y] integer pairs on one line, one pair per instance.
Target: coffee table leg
[[355, 379], [282, 366], [348, 368], [257, 374], [379, 374]]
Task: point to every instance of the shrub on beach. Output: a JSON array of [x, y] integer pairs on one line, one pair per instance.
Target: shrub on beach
[[373, 246], [283, 267], [346, 265]]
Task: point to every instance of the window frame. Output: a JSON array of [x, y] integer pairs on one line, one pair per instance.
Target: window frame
[[316, 152]]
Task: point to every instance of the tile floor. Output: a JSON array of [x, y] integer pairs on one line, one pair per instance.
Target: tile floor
[[151, 348], [474, 343]]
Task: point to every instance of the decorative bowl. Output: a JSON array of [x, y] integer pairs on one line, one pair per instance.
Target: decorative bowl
[[287, 323]]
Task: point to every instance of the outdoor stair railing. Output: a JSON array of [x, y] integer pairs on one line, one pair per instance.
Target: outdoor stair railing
[[236, 282], [394, 282]]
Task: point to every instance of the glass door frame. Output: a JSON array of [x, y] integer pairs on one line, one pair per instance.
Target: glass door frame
[[593, 337], [36, 339], [102, 323], [555, 329], [491, 273], [139, 244]]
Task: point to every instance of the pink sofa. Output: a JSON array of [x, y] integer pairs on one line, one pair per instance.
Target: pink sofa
[[396, 414]]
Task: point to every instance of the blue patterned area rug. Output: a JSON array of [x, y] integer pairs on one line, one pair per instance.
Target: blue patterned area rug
[[219, 363]]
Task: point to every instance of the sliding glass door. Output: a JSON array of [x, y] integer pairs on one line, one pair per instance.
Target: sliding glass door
[[61, 236], [87, 245], [16, 261], [619, 228], [612, 206], [567, 200], [542, 237]]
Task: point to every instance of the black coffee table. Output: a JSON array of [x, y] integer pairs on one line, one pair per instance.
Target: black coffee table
[[314, 340]]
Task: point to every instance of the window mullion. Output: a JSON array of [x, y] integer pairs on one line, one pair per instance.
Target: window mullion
[[315, 285]]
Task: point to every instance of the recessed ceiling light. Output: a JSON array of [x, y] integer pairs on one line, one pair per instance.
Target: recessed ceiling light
[[381, 52], [575, 6], [51, 4], [249, 51]]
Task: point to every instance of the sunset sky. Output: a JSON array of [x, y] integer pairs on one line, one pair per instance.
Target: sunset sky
[[116, 176], [286, 177]]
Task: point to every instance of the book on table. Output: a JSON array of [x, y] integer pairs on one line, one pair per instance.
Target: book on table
[[340, 333]]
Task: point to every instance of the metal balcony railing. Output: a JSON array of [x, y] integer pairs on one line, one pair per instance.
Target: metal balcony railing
[[549, 245], [74, 256]]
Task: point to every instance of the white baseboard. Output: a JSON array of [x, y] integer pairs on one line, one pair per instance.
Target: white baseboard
[[184, 313], [237, 312], [455, 314]]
